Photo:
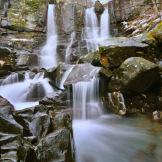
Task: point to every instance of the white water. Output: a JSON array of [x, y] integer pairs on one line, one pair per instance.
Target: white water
[[69, 49], [20, 94], [48, 58], [91, 31], [105, 138], [99, 137], [95, 32], [12, 78], [104, 25], [86, 99], [65, 76]]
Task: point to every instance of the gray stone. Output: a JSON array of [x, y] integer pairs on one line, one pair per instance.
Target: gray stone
[[135, 75], [117, 50], [40, 124], [81, 72], [7, 121], [54, 146]]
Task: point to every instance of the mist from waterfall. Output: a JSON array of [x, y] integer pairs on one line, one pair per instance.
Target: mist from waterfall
[[48, 57]]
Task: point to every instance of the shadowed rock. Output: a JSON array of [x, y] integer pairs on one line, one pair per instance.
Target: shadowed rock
[[135, 75]]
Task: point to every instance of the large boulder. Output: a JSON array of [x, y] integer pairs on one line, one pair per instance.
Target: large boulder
[[135, 75], [7, 121], [81, 72], [115, 51], [54, 146], [40, 124], [57, 74]]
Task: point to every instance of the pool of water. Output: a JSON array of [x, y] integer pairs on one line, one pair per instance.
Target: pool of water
[[111, 138]]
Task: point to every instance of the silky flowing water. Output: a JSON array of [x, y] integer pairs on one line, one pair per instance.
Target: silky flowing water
[[48, 57], [102, 137], [28, 92], [98, 136]]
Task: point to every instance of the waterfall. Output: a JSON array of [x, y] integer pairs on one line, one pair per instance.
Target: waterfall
[[12, 78], [91, 31], [28, 92], [104, 25], [69, 49], [65, 76], [86, 99], [94, 33], [99, 137], [48, 58]]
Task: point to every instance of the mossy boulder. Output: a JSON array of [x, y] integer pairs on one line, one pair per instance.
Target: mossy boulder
[[114, 54], [135, 75], [93, 58]]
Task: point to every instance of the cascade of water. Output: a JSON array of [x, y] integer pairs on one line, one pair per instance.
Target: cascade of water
[[94, 33], [48, 58], [91, 31], [12, 78], [28, 92], [68, 49], [86, 99], [104, 25]]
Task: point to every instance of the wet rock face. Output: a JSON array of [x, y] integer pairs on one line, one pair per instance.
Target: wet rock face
[[99, 8], [54, 146], [81, 72], [116, 103], [14, 149], [35, 134], [7, 121], [36, 92], [142, 103], [135, 75], [27, 60], [40, 125], [120, 49], [7, 60]]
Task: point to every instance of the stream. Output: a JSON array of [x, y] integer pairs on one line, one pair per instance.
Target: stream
[[99, 136]]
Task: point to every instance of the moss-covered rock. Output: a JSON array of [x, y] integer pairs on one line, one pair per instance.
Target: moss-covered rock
[[93, 58], [135, 75], [114, 54], [26, 15]]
